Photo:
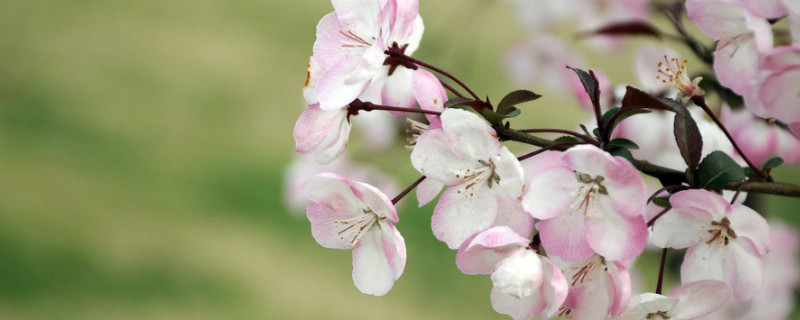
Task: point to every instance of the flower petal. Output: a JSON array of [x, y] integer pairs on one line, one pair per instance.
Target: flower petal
[[751, 228], [517, 308], [699, 298], [322, 132], [681, 228], [456, 216], [427, 190], [554, 289], [616, 237], [481, 252], [550, 192], [564, 236], [372, 273], [519, 274]]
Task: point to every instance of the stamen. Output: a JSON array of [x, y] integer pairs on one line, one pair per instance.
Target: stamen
[[354, 228]]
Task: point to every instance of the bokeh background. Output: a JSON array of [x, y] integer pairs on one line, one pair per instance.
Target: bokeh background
[[143, 146]]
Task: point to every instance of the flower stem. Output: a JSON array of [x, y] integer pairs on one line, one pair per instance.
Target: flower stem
[[407, 190], [661, 271], [402, 55], [700, 101], [548, 148], [359, 105], [572, 133]]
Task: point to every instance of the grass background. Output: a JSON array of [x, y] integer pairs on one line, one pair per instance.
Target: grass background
[[142, 150]]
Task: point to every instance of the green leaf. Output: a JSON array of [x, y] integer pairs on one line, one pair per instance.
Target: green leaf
[[590, 84], [772, 163], [687, 135], [750, 172], [513, 113], [622, 152], [622, 143], [596, 132], [457, 102], [662, 201], [638, 99], [608, 115], [515, 97], [717, 169]]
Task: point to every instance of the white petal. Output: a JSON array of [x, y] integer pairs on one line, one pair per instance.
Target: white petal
[[458, 215], [550, 192], [480, 253], [681, 228], [697, 299], [372, 273], [644, 304], [751, 229], [519, 274], [427, 190], [517, 308]]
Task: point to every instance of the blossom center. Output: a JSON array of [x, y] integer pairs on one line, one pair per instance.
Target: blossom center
[[583, 273], [415, 129], [588, 189], [354, 228], [674, 72], [721, 232], [661, 315]]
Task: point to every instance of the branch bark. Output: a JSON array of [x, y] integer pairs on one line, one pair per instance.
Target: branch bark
[[662, 173]]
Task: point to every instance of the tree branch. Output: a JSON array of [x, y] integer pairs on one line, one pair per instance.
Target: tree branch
[[662, 173]]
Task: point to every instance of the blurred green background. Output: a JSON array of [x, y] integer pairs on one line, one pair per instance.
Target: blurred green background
[[143, 146]]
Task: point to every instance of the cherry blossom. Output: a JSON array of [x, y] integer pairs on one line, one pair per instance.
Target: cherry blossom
[[526, 285], [323, 133], [350, 49], [542, 62], [304, 168], [592, 202], [776, 94], [673, 71], [347, 214], [689, 301], [599, 289], [742, 37], [485, 179], [725, 241], [760, 139]]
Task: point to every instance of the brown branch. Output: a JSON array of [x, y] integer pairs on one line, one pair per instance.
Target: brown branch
[[776, 188]]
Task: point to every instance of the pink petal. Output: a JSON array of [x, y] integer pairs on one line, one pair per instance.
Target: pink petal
[[361, 16], [681, 228], [616, 237], [588, 159], [428, 91], [702, 201], [697, 299], [323, 227], [372, 273], [564, 236], [511, 214], [626, 187], [554, 289], [550, 192], [333, 191], [748, 276], [475, 138], [707, 262], [481, 252], [779, 94], [751, 228], [647, 303], [736, 63], [427, 190], [324, 133], [375, 200], [621, 278], [328, 49], [336, 87], [717, 18], [436, 157], [397, 88], [457, 216], [768, 9], [517, 308], [519, 274]]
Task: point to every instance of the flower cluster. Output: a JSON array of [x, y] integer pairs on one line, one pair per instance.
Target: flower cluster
[[558, 229]]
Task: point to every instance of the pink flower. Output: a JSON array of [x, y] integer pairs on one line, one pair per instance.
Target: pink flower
[[760, 139], [542, 62], [599, 289], [485, 179], [725, 241], [323, 133], [689, 301], [350, 51], [304, 168], [742, 37], [348, 214], [776, 94], [526, 285], [592, 202]]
